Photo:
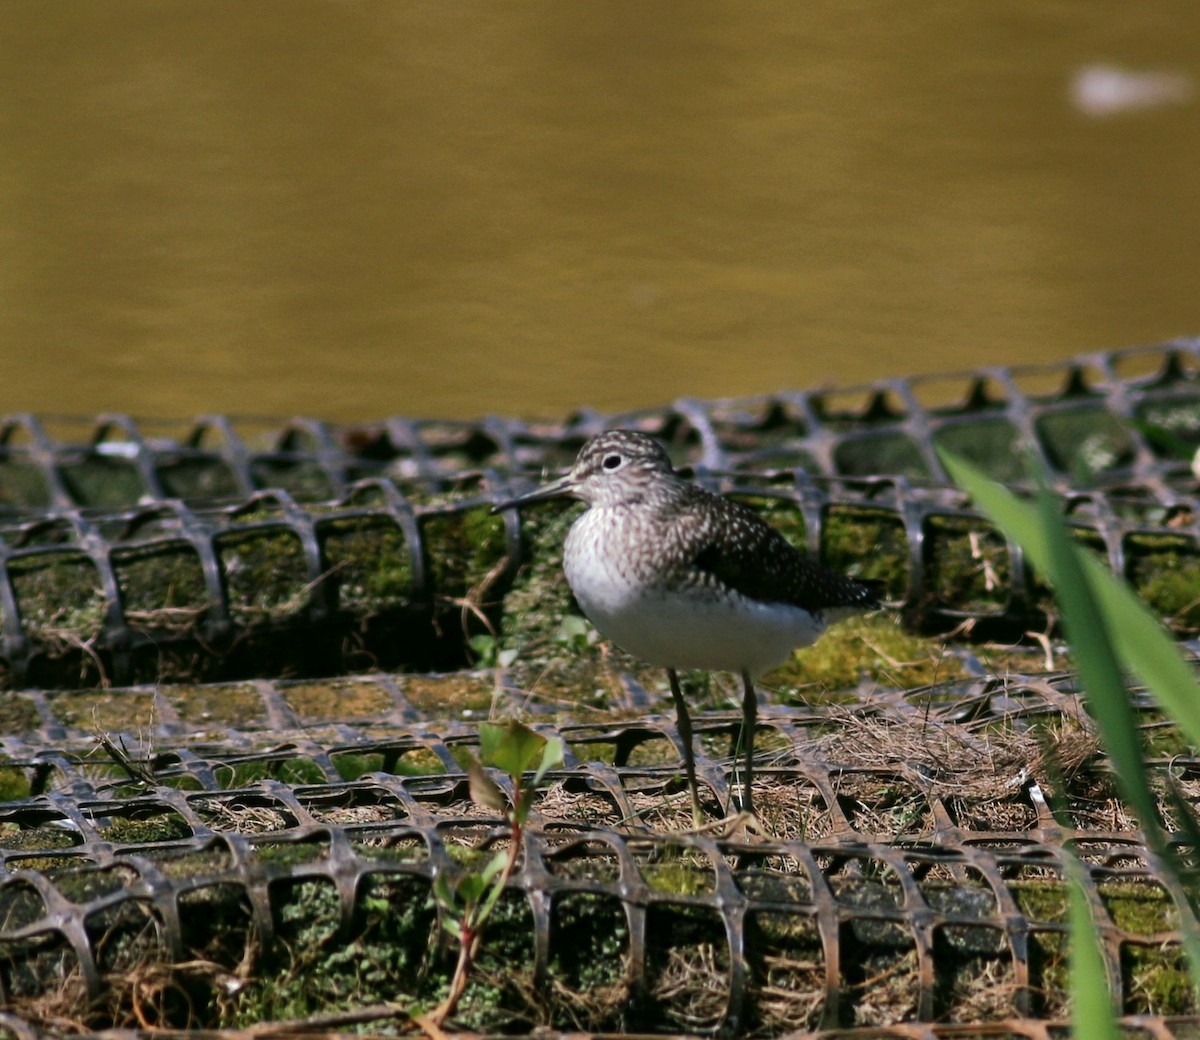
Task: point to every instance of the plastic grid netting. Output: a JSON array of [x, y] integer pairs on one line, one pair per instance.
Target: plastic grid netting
[[171, 591], [1107, 419], [134, 551], [155, 579], [905, 897]]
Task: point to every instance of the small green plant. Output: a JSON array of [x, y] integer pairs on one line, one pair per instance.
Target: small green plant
[[488, 653], [576, 633], [468, 899]]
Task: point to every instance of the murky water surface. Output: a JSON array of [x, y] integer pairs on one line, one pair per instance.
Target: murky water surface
[[355, 209]]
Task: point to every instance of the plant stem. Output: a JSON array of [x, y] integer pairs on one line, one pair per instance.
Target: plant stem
[[475, 919]]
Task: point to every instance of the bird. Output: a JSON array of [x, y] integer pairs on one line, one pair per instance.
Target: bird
[[683, 578]]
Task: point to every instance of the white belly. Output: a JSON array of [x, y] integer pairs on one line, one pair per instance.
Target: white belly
[[731, 636], [675, 629]]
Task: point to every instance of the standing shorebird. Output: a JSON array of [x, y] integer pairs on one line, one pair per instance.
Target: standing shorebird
[[683, 578]]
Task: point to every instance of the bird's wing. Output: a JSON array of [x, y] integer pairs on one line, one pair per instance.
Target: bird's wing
[[728, 543]]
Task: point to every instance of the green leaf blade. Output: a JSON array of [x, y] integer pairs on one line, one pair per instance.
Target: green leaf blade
[[511, 746]]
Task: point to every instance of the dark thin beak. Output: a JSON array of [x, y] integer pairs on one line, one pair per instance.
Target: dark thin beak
[[562, 486]]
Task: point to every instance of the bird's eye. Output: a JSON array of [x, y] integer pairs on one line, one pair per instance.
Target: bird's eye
[[612, 461]]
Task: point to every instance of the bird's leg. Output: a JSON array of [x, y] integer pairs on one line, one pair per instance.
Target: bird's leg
[[749, 723], [683, 722]]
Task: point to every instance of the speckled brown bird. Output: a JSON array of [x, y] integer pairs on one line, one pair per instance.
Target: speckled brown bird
[[683, 578]]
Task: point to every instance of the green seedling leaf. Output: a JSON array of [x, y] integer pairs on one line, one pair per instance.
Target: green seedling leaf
[[484, 647], [443, 892], [1092, 1012], [552, 756], [575, 632], [484, 790], [496, 888], [495, 865], [512, 746], [452, 927], [470, 889]]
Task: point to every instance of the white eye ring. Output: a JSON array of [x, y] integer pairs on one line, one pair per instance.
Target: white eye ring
[[612, 461]]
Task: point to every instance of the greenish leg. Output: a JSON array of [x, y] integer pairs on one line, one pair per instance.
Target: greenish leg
[[749, 724], [683, 722]]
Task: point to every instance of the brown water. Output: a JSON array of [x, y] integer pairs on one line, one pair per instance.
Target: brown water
[[355, 209]]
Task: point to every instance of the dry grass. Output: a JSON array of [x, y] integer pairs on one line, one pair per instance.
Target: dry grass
[[983, 778]]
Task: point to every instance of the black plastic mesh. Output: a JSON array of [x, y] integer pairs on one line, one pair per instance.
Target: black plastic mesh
[[905, 896], [177, 587], [1107, 419], [167, 847]]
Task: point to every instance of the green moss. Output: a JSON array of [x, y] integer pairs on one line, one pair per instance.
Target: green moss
[[60, 598], [116, 711], [85, 883], [461, 547], [589, 963], [266, 575], [45, 864], [164, 826], [102, 481], [1179, 417], [338, 698], [892, 452], [1143, 908], [13, 836], [1085, 442], [162, 586], [289, 771], [989, 444], [18, 714], [1044, 901], [1157, 981], [868, 544], [417, 761], [442, 696], [303, 478], [858, 648], [389, 849], [188, 864], [1020, 660], [14, 784], [1162, 738], [196, 477], [561, 659], [678, 871], [22, 483], [237, 704], [967, 564], [1165, 570], [291, 853], [370, 564]]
